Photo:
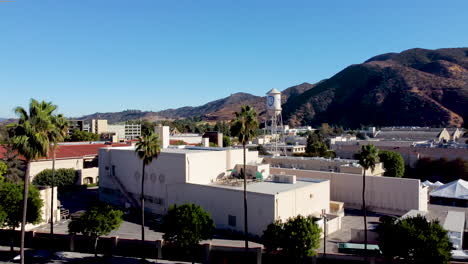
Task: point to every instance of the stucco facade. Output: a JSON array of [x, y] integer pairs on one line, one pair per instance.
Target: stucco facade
[[85, 175], [383, 194], [198, 175]]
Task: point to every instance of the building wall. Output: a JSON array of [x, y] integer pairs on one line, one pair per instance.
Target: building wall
[[383, 194], [45, 195], [76, 164], [222, 202], [38, 166], [322, 164], [309, 200], [119, 130], [206, 167], [188, 139]]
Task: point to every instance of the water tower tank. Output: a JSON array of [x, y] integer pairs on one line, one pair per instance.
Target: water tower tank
[[274, 101]]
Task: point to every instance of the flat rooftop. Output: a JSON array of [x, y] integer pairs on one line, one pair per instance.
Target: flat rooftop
[[267, 187], [188, 149]]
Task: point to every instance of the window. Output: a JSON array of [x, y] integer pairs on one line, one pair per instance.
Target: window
[[232, 220], [90, 163]]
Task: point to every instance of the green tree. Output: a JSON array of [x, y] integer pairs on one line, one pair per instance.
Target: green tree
[[30, 139], [368, 157], [244, 127], [11, 200], [414, 240], [3, 170], [187, 225], [61, 178], [79, 136], [393, 163], [316, 146], [56, 134], [148, 148], [226, 141], [299, 237], [272, 237], [15, 166], [98, 221]]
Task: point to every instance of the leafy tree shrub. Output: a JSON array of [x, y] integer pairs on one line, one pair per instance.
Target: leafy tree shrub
[[393, 163], [317, 147], [3, 170], [15, 166], [273, 236], [79, 135], [226, 141], [187, 225], [11, 206], [98, 221], [414, 240], [179, 142], [62, 178], [298, 237]]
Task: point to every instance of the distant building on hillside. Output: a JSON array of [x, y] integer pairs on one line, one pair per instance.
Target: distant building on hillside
[[75, 125], [125, 131], [418, 134]]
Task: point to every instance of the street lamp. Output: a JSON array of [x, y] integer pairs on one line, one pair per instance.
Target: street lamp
[[324, 216]]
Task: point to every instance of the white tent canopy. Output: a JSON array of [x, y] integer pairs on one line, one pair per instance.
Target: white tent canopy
[[427, 183], [457, 190], [437, 183]]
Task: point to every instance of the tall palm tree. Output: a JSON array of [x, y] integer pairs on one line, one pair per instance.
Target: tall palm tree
[[148, 148], [244, 127], [368, 157], [30, 139], [55, 135]]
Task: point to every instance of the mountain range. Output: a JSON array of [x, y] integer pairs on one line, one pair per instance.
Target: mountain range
[[417, 87]]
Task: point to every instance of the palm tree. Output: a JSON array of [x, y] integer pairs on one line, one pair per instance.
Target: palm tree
[[368, 157], [56, 135], [30, 139], [244, 127], [148, 148]]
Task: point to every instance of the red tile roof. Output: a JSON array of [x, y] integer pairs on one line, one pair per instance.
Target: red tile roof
[[75, 151]]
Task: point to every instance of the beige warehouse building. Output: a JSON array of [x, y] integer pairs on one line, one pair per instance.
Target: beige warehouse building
[[202, 176]]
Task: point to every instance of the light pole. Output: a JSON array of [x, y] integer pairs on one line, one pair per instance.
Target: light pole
[[324, 216]]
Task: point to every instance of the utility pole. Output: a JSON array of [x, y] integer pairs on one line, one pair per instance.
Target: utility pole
[[324, 215]]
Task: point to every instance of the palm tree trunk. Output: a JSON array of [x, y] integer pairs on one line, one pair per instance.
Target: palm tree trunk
[[143, 208], [12, 237], [25, 207], [52, 194], [364, 211], [95, 246], [246, 228]]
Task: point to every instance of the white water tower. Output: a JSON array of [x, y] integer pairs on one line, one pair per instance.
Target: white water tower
[[274, 120]]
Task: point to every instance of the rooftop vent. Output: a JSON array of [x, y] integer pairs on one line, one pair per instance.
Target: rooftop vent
[[284, 179]]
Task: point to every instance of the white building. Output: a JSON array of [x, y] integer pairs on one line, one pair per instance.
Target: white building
[[202, 176], [125, 131]]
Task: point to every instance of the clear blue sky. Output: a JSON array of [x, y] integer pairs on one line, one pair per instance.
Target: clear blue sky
[[103, 56]]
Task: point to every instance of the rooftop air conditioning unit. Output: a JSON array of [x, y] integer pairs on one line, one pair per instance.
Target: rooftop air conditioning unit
[[284, 179]]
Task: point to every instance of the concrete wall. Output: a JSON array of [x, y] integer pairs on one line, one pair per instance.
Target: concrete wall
[[213, 199], [76, 164], [205, 167], [119, 130], [383, 194], [305, 201], [322, 164], [38, 166], [197, 166], [263, 209], [92, 173], [187, 139], [45, 194]]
